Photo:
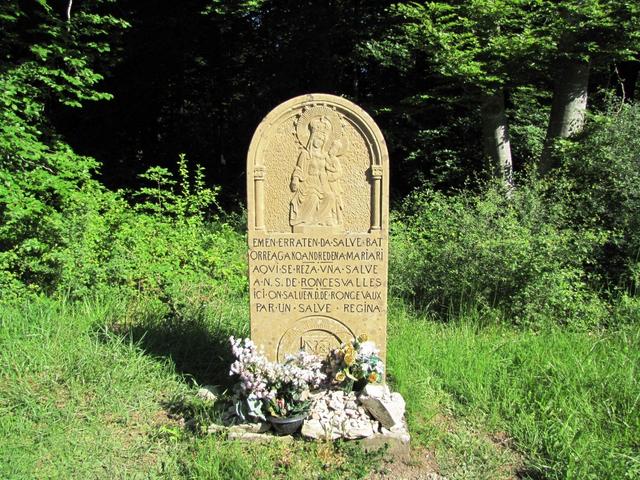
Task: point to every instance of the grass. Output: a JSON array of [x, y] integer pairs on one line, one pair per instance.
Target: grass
[[568, 402], [75, 400], [85, 391], [84, 394]]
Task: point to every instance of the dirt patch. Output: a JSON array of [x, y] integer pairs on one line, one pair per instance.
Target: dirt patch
[[422, 465], [504, 443], [164, 418]]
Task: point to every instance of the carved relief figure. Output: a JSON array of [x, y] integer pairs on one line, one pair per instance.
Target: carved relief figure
[[317, 198]]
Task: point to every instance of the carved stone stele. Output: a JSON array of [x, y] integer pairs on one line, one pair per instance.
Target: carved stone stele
[[318, 217]]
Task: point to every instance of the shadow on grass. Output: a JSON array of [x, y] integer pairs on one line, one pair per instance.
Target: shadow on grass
[[196, 344], [197, 352], [527, 473]]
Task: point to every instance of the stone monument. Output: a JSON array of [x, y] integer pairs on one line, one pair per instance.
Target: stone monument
[[318, 216]]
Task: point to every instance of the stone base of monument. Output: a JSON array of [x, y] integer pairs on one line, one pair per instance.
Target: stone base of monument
[[396, 444], [374, 418]]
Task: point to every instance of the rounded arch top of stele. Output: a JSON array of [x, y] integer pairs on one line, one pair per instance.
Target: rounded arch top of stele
[[317, 163]]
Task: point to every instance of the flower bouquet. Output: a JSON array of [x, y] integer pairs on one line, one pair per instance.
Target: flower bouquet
[[356, 363], [277, 390]]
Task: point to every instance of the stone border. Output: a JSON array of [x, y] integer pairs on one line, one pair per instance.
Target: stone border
[[397, 444], [335, 415]]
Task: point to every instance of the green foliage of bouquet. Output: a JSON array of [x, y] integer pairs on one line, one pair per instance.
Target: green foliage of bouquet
[[356, 362]]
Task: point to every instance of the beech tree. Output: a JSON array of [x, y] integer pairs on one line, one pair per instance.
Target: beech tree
[[581, 34], [482, 46]]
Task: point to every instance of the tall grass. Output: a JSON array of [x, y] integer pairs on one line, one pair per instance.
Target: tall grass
[[75, 400], [570, 401], [86, 390]]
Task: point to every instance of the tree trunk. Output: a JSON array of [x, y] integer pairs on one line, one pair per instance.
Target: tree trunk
[[495, 133], [626, 79], [568, 107]]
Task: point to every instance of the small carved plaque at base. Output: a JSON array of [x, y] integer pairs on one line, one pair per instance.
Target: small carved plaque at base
[[319, 342], [318, 202]]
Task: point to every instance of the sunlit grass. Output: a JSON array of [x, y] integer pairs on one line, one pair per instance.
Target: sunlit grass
[[569, 402], [84, 393], [85, 388]]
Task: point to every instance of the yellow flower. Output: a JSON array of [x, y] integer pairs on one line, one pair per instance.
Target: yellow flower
[[363, 337], [373, 377], [340, 376], [349, 358]]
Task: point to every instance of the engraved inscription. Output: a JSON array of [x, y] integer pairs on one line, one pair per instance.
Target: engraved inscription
[[318, 342], [323, 275]]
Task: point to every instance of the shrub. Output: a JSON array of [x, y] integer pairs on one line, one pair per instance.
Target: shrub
[[47, 61], [484, 250], [169, 246], [602, 171]]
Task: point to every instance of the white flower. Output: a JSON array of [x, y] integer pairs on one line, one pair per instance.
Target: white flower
[[261, 379], [368, 349]]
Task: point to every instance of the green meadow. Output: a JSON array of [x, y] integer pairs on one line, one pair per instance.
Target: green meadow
[[85, 394]]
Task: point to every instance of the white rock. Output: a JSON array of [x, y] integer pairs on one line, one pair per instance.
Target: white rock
[[359, 431], [258, 427], [208, 392], [258, 437], [317, 396], [334, 414], [398, 428], [315, 429], [388, 409], [215, 428], [351, 413], [376, 390]]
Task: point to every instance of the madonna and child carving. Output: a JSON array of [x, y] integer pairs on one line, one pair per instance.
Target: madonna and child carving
[[315, 181]]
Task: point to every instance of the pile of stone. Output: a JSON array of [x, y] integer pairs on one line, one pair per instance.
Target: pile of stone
[[375, 417], [335, 414]]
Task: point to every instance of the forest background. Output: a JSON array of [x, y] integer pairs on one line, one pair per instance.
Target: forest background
[[514, 141]]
